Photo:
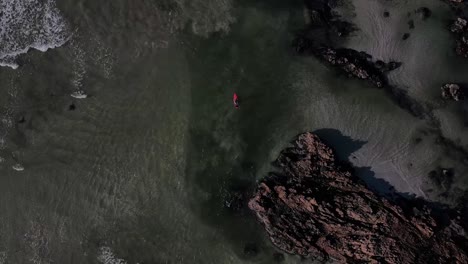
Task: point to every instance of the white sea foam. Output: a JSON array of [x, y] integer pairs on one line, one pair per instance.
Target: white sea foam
[[106, 256], [79, 67], [79, 94], [18, 167], [29, 24]]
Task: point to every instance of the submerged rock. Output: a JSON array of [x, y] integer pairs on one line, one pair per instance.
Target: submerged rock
[[315, 208], [452, 91], [424, 12]]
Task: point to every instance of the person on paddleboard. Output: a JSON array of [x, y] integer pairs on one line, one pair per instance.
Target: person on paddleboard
[[235, 100]]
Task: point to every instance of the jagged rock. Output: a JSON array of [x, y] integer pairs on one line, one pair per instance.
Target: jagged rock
[[460, 28], [316, 40], [357, 64], [313, 207], [459, 25], [452, 91], [462, 47]]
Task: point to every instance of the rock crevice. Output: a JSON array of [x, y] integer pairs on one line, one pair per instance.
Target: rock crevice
[[314, 207]]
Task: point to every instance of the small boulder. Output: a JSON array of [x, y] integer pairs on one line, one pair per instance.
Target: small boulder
[[459, 25], [452, 91]]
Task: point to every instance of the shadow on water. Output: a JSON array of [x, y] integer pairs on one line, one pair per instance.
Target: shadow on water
[[344, 146]]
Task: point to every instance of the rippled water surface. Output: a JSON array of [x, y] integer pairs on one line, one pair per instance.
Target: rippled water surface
[[155, 164]]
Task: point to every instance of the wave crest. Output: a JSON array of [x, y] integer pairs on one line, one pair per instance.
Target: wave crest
[[29, 24]]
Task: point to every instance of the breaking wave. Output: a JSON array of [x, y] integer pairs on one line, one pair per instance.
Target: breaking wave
[[106, 256], [29, 24]]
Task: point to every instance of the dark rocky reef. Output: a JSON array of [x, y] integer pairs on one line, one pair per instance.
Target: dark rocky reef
[[357, 64], [321, 39], [460, 28], [323, 31], [452, 91], [314, 207]]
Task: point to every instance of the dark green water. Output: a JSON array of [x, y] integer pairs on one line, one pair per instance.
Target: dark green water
[[155, 165]]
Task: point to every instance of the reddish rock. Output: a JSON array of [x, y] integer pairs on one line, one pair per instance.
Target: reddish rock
[[312, 207], [357, 64]]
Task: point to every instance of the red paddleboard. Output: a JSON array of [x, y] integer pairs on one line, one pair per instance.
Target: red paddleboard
[[235, 100]]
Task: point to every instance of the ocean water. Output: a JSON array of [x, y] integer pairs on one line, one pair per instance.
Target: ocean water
[[30, 24], [155, 165]]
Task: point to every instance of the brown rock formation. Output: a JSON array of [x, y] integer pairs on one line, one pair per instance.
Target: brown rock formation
[[358, 64], [313, 207]]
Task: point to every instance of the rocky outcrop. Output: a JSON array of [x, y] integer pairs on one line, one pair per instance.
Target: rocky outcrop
[[452, 91], [354, 63], [320, 35], [459, 25], [314, 207], [358, 64], [460, 28]]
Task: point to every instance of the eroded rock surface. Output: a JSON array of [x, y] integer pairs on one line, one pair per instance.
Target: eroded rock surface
[[358, 64], [324, 30], [313, 207], [452, 91], [460, 28]]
